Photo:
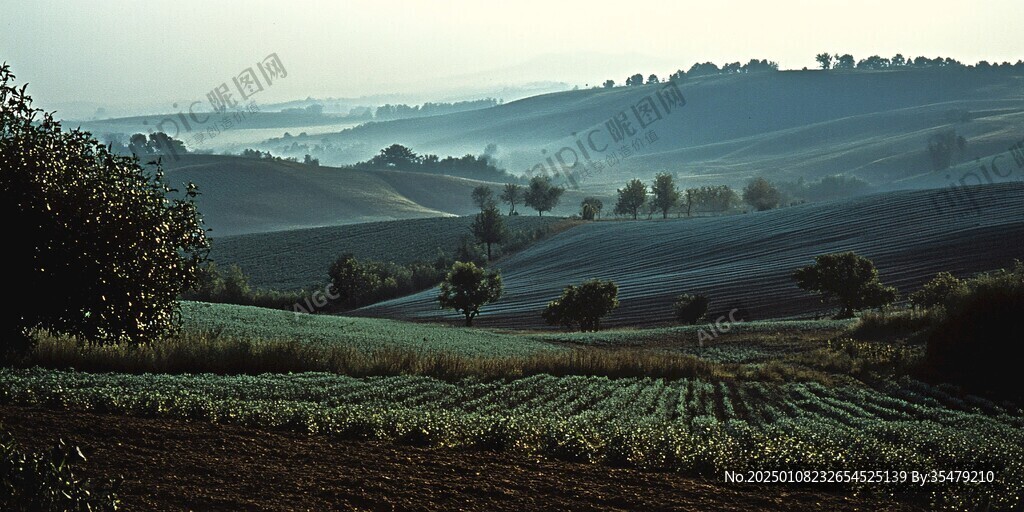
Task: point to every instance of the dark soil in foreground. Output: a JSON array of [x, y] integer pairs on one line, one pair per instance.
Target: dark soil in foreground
[[180, 465]]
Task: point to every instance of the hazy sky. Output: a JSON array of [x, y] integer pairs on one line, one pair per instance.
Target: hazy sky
[[158, 52]]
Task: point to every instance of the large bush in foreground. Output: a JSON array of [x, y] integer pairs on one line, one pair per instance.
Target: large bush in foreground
[[976, 344], [97, 249]]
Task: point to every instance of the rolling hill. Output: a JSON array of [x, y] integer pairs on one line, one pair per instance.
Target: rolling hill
[[745, 261], [244, 195], [287, 260], [871, 124]]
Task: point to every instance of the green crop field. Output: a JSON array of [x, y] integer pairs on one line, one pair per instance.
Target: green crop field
[[689, 426], [360, 333]]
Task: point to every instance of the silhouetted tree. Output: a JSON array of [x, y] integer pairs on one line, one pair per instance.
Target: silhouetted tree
[[653, 79], [824, 60], [636, 79], [395, 156], [483, 197], [666, 196], [541, 195], [844, 61], [631, 198], [488, 227], [511, 195], [608, 84], [761, 194]]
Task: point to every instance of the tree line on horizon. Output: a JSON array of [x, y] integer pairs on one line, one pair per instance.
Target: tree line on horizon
[[825, 61]]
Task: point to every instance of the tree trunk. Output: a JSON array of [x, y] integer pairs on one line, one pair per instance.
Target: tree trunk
[[488, 251], [469, 319]]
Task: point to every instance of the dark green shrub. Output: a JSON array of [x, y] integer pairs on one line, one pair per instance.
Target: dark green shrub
[[46, 482], [691, 309], [976, 345]]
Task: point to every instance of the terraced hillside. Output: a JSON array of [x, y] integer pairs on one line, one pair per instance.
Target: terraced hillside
[[745, 261], [286, 260]]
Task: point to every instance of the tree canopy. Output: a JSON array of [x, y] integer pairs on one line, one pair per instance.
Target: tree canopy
[[103, 247]]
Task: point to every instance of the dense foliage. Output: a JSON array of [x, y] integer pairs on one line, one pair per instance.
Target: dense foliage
[[690, 309], [46, 481], [583, 306], [467, 288], [101, 250], [848, 278]]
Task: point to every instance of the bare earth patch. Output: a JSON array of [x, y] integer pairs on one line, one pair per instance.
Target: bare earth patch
[[180, 465]]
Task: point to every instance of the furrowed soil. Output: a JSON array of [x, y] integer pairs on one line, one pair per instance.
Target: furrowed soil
[[181, 465]]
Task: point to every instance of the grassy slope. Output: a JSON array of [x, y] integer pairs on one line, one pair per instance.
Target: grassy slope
[[360, 333], [299, 258], [873, 124], [745, 261], [243, 195]]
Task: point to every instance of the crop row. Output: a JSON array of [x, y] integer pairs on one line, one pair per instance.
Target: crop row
[[689, 426]]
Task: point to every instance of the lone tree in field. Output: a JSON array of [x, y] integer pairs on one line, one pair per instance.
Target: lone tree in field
[[512, 195], [467, 288], [103, 248], [690, 309], [583, 305], [666, 196], [483, 197], [541, 195], [631, 198], [590, 208], [761, 194], [489, 228], [848, 278]]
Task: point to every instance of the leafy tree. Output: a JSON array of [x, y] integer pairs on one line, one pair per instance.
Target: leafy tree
[[541, 195], [395, 156], [707, 68], [348, 280], [511, 195], [761, 194], [483, 197], [489, 228], [608, 84], [824, 60], [898, 60], [666, 196], [636, 79], [844, 61], [467, 288], [583, 305], [103, 248], [690, 308], [653, 79], [590, 208], [631, 198], [936, 291], [847, 277]]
